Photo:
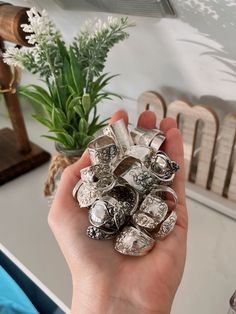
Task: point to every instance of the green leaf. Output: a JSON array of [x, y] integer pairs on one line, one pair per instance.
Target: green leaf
[[83, 126], [43, 121], [86, 102], [76, 72]]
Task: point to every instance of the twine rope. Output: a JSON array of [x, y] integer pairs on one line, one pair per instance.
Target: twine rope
[[58, 164], [12, 85]]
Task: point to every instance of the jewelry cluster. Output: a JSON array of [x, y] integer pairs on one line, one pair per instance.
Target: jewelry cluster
[[126, 188]]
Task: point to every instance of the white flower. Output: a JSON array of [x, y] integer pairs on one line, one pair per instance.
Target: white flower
[[41, 27], [14, 56]]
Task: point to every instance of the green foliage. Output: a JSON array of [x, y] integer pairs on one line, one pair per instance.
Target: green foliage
[[74, 79]]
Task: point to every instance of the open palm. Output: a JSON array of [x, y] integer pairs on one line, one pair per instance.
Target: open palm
[[104, 281]]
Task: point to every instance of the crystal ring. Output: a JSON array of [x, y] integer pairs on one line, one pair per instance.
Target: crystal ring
[[102, 150], [134, 242], [107, 214], [163, 168], [135, 174]]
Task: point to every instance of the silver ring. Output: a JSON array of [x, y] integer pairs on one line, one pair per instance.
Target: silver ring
[[102, 150], [99, 234], [118, 131], [127, 196], [106, 213], [135, 174], [166, 227], [85, 195], [133, 242], [93, 173], [154, 206], [161, 190], [145, 136], [98, 177], [142, 153], [157, 141], [163, 168], [144, 220]]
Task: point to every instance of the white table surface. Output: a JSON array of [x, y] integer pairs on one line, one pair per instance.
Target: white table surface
[[210, 273]]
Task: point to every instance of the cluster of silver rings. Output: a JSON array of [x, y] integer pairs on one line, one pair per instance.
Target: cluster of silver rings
[[127, 188]]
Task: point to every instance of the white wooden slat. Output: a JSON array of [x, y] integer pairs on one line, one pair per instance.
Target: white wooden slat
[[223, 155], [208, 135], [155, 103]]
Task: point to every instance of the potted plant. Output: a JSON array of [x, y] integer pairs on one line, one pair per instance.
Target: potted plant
[[73, 80]]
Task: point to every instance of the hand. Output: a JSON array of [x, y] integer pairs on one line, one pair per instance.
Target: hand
[[104, 281]]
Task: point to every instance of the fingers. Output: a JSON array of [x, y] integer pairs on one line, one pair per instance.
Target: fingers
[[121, 114], [173, 147], [167, 124], [147, 120]]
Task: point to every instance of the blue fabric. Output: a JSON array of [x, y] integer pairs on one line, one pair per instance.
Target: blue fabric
[[12, 298]]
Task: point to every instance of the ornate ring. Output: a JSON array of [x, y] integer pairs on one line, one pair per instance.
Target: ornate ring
[[145, 137], [144, 220], [142, 153], [98, 177], [159, 191], [99, 234], [163, 168], [85, 195], [133, 242], [102, 150], [106, 213], [155, 207], [135, 174], [118, 131], [166, 227], [127, 196]]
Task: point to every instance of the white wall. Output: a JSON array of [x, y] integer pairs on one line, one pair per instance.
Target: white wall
[[192, 57]]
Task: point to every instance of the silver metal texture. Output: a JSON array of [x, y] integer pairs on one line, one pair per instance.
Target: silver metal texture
[[133, 242], [102, 150]]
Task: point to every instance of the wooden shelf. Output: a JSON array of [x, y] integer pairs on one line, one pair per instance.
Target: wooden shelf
[[12, 162]]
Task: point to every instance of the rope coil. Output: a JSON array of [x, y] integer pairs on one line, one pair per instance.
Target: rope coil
[[57, 165]]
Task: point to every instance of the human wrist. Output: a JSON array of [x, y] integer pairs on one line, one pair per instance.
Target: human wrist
[[100, 296]]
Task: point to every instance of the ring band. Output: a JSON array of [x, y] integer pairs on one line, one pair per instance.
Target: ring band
[[102, 150], [161, 190], [163, 168], [99, 234], [166, 227], [118, 131], [133, 242], [135, 174], [85, 195]]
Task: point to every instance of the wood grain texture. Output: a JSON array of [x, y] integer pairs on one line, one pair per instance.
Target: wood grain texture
[[12, 162], [191, 115], [223, 156], [154, 102], [11, 18], [13, 107]]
